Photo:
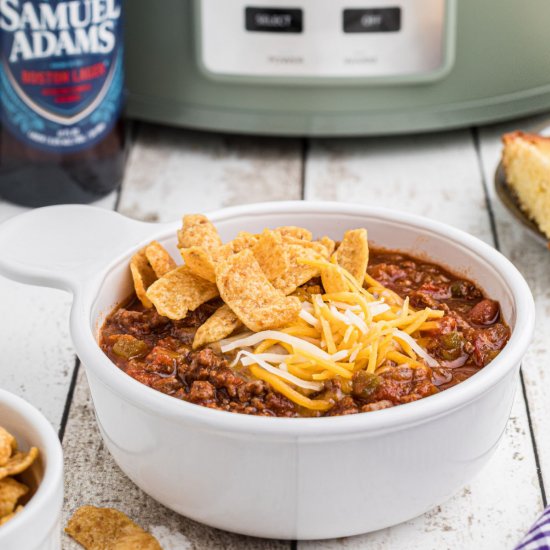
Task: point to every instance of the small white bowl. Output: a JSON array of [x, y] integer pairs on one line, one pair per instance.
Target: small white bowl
[[37, 526], [301, 478]]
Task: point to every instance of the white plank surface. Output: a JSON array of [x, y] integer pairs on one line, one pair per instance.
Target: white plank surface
[[534, 262], [172, 172], [436, 176], [433, 175]]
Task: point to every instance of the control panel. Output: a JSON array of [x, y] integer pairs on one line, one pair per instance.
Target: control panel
[[325, 38]]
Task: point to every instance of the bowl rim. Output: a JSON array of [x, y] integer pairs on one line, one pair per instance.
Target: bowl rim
[[394, 418], [38, 511]]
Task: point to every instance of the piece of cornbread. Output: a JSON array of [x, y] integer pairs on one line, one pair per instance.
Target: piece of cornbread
[[526, 161]]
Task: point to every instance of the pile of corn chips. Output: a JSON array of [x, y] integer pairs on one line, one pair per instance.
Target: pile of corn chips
[[108, 529], [255, 275], [12, 463]]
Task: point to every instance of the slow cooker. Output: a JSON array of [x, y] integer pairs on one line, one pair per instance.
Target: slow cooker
[[336, 67]]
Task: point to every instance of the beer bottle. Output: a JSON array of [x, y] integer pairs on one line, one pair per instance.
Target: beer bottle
[[62, 138]]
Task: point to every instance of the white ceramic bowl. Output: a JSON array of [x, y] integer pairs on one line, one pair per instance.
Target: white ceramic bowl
[[37, 527], [275, 477]]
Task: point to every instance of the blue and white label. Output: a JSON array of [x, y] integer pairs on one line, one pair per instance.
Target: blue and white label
[[61, 73]]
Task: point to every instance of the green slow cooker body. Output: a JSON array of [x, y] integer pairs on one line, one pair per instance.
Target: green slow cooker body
[[500, 69]]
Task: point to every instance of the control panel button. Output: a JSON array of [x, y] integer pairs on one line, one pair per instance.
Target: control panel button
[[273, 20], [372, 20]]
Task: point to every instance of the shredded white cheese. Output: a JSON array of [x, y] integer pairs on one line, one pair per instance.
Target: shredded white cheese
[[296, 343], [309, 318], [400, 335], [306, 384], [357, 321]]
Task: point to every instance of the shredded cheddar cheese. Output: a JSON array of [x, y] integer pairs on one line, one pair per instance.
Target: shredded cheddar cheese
[[367, 328]]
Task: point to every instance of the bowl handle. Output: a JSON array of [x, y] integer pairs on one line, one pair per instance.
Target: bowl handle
[[64, 246]]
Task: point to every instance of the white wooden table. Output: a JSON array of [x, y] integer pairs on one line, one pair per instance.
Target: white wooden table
[[446, 176]]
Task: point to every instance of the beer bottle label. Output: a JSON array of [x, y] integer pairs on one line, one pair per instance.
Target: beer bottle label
[[61, 72]]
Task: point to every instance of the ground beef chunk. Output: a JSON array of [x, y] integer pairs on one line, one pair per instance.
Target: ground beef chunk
[[419, 390], [201, 392], [207, 358], [347, 405], [465, 290], [488, 343], [162, 360], [439, 291], [453, 321], [279, 405], [170, 385], [404, 385], [224, 377], [421, 299], [139, 323], [207, 365], [199, 364], [388, 273], [184, 335], [147, 378], [247, 392]]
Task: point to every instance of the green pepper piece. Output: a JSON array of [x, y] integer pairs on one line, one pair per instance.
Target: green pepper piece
[[452, 344], [129, 347], [365, 384]]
